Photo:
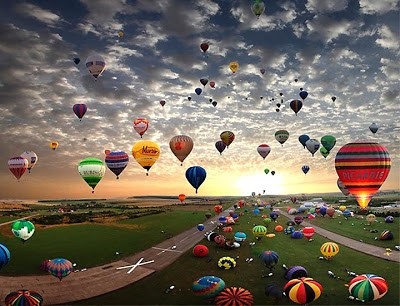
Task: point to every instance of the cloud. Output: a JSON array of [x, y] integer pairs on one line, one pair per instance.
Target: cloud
[[387, 39], [38, 13], [378, 7], [326, 6]]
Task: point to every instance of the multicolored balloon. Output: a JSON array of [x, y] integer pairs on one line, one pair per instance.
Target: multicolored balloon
[[296, 106], [296, 272], [53, 145], [226, 263], [308, 232], [23, 229], [227, 137], [303, 290], [281, 136], [196, 175], [181, 146], [146, 153], [342, 187], [329, 250], [31, 157], [208, 286], [259, 231], [18, 165], [117, 161], [59, 267], [368, 287], [270, 258], [79, 110], [92, 171], [23, 298], [234, 296], [363, 167], [141, 125]]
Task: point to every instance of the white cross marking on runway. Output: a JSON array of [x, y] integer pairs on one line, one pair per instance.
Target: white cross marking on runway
[[165, 250], [132, 267]]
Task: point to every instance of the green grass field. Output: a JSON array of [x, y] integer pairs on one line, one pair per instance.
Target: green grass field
[[249, 275]]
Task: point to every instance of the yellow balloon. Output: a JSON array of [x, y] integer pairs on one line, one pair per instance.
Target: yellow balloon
[[120, 34], [53, 145], [146, 153], [234, 66]]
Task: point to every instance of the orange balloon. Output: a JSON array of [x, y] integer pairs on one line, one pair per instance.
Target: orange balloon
[[181, 146], [182, 197]]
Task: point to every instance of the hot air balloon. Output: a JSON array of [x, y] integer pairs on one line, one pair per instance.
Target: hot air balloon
[[146, 153], [270, 258], [368, 287], [106, 152], [266, 170], [181, 146], [273, 172], [370, 218], [303, 290], [258, 8], [79, 110], [226, 263], [95, 64], [233, 66], [23, 229], [263, 150], [198, 91], [227, 137], [18, 165], [200, 250], [162, 102], [373, 128], [218, 208], [342, 187], [59, 267], [204, 82], [220, 146], [234, 296], [92, 171], [31, 157], [262, 70], [305, 169], [77, 60], [259, 231], [324, 152], [308, 232], [303, 94], [204, 47], [295, 272], [312, 146], [333, 99], [53, 145], [296, 106], [208, 286], [214, 103], [120, 34], [141, 125], [329, 249], [182, 197], [117, 161], [23, 298], [200, 227], [212, 84], [196, 175], [281, 136], [363, 167], [328, 142], [303, 139], [4, 255]]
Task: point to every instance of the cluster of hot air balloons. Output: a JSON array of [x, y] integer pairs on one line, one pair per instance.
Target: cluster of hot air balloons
[[19, 164]]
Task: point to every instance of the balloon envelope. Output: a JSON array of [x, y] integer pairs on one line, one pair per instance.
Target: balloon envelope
[[18, 165], [270, 258], [79, 110], [181, 146], [182, 197], [117, 161], [363, 167], [233, 66], [296, 106], [303, 139], [303, 290], [281, 136], [312, 146], [141, 125], [23, 229], [208, 286], [305, 169], [258, 7], [95, 64], [328, 142], [373, 128], [146, 153], [227, 137], [204, 46], [23, 298], [59, 267], [368, 287], [196, 175], [4, 256], [234, 296], [53, 145], [329, 249], [303, 94], [220, 146], [91, 170], [263, 150]]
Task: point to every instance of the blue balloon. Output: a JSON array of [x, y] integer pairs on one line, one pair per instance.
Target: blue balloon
[[303, 139], [196, 175], [200, 227], [303, 94], [198, 91], [4, 256]]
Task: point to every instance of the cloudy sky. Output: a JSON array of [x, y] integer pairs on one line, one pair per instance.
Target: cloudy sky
[[348, 49]]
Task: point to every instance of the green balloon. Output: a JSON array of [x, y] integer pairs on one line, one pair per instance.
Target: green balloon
[[324, 152], [266, 171], [328, 142], [23, 229], [92, 171], [258, 7]]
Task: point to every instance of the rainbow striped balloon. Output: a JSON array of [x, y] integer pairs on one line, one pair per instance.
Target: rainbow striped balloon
[[208, 286], [368, 287], [303, 290], [363, 167], [23, 297], [329, 249], [234, 296], [59, 267]]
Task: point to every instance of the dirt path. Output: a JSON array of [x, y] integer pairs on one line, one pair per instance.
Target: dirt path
[[106, 278]]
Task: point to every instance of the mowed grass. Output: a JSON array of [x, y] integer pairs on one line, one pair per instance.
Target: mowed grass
[[359, 228], [188, 268], [89, 245]]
